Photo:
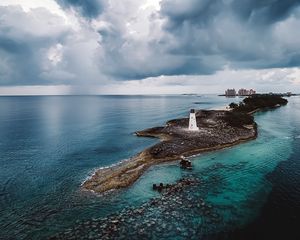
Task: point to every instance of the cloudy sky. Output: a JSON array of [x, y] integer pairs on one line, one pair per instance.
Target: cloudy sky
[[148, 46]]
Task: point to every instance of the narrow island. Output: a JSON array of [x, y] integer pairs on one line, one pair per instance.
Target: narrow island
[[217, 129]]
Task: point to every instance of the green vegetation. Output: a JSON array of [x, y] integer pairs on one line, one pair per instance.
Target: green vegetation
[[233, 105], [239, 116], [258, 101]]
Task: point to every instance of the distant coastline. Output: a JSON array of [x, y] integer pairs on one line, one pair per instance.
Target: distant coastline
[[273, 94], [218, 129]]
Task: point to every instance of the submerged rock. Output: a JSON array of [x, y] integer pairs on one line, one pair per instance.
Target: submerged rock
[[166, 215]]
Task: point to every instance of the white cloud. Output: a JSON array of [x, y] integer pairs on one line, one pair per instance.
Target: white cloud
[[55, 54], [151, 4], [35, 90], [28, 5], [294, 77], [41, 48]]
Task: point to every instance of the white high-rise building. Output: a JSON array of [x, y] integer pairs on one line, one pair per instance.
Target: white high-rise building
[[193, 121]]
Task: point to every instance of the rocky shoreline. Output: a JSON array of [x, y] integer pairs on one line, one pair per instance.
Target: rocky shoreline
[[216, 131]]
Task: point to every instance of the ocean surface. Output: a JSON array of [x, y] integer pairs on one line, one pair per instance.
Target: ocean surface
[[50, 144]]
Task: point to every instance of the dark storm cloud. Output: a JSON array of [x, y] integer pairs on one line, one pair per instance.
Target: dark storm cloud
[[204, 11], [240, 32], [264, 11], [22, 62], [195, 11], [87, 8], [204, 36]]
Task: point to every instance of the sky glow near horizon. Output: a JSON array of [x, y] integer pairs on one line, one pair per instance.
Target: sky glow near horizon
[[148, 47]]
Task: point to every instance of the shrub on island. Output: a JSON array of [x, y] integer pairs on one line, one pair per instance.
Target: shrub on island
[[258, 101]]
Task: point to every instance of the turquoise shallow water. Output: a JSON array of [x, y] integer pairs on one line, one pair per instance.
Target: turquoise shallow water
[[49, 145]]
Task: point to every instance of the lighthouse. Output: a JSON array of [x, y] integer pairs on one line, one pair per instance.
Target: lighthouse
[[193, 122]]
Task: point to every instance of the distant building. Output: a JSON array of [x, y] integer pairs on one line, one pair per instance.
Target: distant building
[[230, 92], [245, 92], [241, 92], [251, 92]]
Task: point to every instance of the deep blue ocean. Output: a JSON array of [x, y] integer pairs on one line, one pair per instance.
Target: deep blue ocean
[[50, 144]]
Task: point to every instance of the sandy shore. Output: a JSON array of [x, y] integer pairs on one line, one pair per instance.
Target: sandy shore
[[216, 132]]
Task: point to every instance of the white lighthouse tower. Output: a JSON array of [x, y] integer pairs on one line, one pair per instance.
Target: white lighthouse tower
[[193, 122]]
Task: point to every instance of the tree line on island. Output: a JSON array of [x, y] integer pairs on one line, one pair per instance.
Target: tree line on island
[[241, 112]]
